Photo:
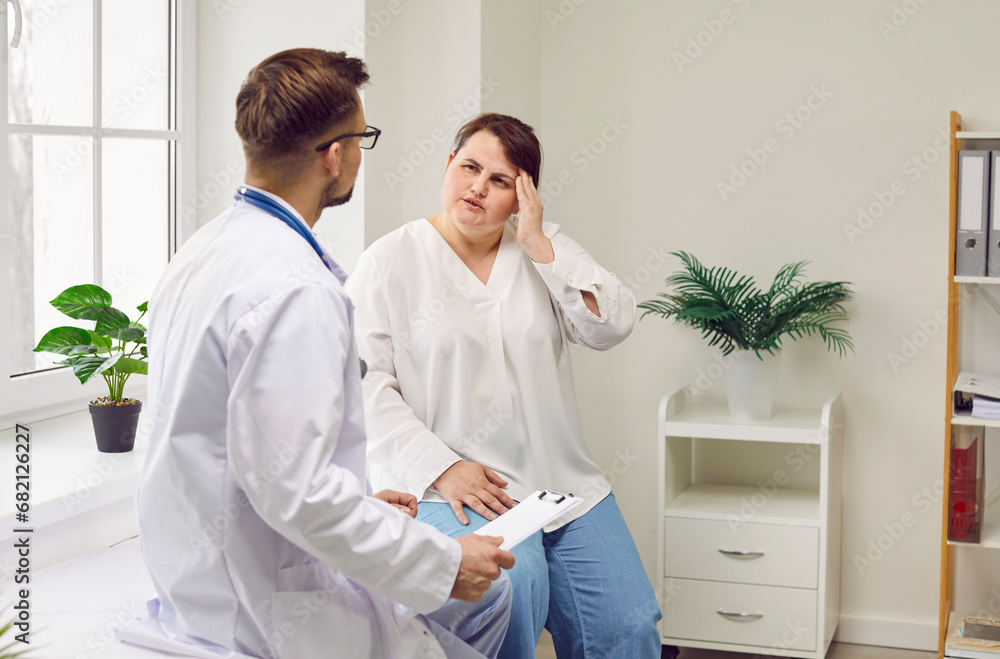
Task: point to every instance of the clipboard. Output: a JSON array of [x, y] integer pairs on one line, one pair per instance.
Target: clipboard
[[531, 515]]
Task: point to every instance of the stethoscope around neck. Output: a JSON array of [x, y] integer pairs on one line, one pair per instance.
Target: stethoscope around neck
[[268, 205]]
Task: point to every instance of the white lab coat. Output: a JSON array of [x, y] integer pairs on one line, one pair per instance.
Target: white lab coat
[[255, 518], [462, 370]]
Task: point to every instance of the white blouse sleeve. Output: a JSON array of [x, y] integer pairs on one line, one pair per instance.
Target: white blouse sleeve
[[399, 443], [573, 271]]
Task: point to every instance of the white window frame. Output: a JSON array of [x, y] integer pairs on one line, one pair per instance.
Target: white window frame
[[40, 395]]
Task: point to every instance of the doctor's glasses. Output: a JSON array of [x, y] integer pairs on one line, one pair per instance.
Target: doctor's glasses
[[367, 141]]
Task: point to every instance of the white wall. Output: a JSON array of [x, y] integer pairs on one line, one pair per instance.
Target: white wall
[[235, 35], [887, 97]]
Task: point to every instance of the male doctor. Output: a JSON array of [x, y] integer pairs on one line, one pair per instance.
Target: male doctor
[[256, 519]]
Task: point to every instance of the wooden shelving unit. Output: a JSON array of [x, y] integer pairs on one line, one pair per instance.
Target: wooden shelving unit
[[991, 517]]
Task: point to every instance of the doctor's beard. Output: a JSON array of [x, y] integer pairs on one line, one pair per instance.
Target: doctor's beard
[[329, 200]]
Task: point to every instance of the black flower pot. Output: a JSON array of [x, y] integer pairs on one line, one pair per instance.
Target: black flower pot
[[114, 426]]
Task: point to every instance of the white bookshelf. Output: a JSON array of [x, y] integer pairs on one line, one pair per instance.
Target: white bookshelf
[[964, 418]]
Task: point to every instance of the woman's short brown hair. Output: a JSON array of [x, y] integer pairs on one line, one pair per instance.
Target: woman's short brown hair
[[517, 139], [294, 97]]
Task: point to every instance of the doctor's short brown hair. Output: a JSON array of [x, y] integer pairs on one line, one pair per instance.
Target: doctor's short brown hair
[[517, 139], [291, 99]]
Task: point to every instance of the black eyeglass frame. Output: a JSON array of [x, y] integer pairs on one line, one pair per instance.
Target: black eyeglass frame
[[371, 130]]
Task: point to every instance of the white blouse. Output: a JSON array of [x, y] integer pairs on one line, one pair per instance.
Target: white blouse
[[461, 370]]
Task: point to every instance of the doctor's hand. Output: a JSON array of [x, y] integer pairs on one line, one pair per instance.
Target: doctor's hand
[[529, 221], [473, 485], [405, 502], [482, 559]]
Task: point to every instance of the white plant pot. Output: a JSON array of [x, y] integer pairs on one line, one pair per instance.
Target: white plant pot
[[750, 384]]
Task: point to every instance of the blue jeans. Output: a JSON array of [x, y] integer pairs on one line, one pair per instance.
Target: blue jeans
[[583, 582], [472, 630]]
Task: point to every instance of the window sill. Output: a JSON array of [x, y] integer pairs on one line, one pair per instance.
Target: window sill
[[80, 498]]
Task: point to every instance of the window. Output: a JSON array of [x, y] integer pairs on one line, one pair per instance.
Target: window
[[93, 167]]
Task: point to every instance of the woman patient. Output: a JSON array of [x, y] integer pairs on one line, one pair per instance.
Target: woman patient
[[465, 320]]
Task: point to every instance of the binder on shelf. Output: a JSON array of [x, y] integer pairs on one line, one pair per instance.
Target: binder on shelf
[[973, 213], [976, 394], [531, 515], [993, 229], [965, 484]]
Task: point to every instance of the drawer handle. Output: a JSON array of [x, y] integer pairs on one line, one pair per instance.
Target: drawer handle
[[741, 616], [741, 554]]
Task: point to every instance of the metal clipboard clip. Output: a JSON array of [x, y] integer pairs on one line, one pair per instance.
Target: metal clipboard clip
[[553, 496]]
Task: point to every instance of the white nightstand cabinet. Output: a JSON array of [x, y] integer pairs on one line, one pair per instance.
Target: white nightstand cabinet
[[749, 528]]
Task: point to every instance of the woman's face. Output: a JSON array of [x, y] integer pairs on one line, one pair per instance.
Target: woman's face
[[478, 191]]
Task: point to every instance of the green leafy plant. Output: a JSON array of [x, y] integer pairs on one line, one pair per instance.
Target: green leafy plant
[[110, 349], [7, 651], [732, 312]]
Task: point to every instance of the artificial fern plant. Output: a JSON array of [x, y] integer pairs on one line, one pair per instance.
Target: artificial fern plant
[[733, 313]]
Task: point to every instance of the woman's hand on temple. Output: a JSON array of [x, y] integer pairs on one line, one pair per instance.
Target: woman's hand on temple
[[473, 485], [529, 221]]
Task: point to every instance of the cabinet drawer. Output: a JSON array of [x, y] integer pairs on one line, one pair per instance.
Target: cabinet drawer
[[776, 555], [762, 616]]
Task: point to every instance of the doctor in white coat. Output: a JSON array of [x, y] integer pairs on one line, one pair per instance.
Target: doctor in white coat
[[256, 520]]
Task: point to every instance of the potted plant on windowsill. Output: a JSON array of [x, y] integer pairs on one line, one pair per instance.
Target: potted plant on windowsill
[[734, 314], [115, 349]]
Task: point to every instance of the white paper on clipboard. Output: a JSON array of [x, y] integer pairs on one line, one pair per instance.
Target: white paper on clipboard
[[529, 516]]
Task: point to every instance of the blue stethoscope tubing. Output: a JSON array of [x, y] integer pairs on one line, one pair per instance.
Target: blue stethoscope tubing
[[268, 205]]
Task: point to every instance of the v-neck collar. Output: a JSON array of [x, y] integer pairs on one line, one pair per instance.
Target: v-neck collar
[[464, 279]]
